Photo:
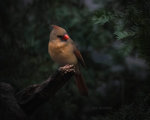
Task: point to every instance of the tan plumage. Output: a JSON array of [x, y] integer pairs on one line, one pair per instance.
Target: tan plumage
[[63, 51]]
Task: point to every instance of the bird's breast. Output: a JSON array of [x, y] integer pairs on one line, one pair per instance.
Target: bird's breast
[[62, 52]]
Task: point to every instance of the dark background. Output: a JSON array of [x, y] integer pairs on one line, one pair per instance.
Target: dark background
[[114, 39]]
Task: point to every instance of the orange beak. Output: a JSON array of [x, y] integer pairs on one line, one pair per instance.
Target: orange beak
[[65, 37]]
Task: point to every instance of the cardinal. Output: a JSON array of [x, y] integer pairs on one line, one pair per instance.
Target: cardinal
[[63, 51]]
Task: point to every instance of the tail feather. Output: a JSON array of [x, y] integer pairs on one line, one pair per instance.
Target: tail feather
[[81, 84]]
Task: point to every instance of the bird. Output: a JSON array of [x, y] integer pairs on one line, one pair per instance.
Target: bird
[[63, 51]]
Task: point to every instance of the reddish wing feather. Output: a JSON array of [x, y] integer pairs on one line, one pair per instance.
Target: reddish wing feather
[[79, 57]]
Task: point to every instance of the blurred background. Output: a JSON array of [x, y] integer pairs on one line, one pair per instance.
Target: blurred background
[[114, 39]]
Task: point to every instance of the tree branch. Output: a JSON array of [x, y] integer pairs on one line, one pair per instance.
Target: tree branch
[[33, 96]]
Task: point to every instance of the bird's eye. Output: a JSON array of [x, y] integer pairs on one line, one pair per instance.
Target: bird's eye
[[64, 37], [59, 36]]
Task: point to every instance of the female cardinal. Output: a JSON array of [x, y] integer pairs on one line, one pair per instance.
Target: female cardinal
[[63, 51]]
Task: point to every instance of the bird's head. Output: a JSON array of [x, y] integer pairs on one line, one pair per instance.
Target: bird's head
[[58, 33]]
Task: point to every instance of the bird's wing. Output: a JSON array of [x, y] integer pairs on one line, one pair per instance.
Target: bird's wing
[[79, 56]]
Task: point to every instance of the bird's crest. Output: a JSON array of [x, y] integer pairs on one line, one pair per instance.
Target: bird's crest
[[55, 26]]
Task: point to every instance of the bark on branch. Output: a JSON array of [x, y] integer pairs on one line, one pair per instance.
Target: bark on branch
[[30, 98]]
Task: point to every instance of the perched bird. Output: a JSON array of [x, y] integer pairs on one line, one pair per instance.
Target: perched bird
[[63, 51]]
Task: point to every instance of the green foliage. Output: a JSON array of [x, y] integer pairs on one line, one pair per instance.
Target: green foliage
[[101, 17], [131, 25], [123, 35]]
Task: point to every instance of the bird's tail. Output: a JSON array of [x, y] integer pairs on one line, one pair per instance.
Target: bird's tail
[[81, 84]]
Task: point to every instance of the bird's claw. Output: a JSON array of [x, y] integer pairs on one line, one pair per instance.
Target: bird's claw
[[67, 68]]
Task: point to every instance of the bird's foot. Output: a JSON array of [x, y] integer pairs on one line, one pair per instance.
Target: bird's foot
[[67, 68]]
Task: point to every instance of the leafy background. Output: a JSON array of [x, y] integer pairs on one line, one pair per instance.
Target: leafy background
[[113, 36]]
